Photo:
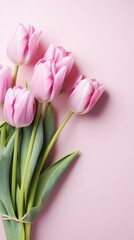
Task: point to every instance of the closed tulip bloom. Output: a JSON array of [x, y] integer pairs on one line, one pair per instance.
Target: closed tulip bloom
[[6, 81], [85, 94], [23, 44], [19, 107], [47, 81], [60, 56]]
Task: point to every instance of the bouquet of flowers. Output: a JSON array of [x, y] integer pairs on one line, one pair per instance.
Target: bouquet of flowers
[[28, 134]]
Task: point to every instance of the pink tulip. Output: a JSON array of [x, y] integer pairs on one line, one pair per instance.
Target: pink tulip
[[19, 107], [23, 44], [47, 81], [85, 94], [60, 56], [6, 81]]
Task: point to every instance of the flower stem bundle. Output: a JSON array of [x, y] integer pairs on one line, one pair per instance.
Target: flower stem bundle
[[28, 133]]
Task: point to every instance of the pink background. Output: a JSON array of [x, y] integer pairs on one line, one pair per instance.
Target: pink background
[[95, 198]]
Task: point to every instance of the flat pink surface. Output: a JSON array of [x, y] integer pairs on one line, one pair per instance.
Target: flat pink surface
[[95, 198]]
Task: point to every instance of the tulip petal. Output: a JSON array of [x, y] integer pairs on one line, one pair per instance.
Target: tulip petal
[[6, 81], [42, 82], [95, 84], [33, 46], [60, 57], [95, 97], [60, 53], [58, 82], [66, 61], [17, 45], [8, 109], [24, 109], [77, 82], [49, 55], [19, 107], [80, 96]]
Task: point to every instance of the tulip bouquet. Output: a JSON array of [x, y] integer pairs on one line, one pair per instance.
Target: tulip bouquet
[[27, 133]]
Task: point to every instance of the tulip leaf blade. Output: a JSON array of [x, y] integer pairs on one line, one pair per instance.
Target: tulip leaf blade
[[13, 230], [2, 124], [5, 163], [48, 124], [9, 136], [7, 225], [10, 129], [27, 85], [46, 183], [25, 139], [38, 142]]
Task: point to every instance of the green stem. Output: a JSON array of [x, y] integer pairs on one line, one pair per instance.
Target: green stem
[[3, 135], [27, 231], [42, 161], [14, 167], [22, 231], [30, 148], [15, 74]]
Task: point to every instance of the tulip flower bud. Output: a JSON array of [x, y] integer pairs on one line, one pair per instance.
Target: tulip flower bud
[[19, 107], [60, 57], [6, 81], [47, 81], [23, 44], [84, 95]]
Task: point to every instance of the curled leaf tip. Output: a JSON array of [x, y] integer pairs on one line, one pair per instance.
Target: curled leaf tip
[[76, 152], [27, 85]]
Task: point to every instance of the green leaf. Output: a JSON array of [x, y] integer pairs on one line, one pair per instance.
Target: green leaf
[[7, 225], [25, 136], [35, 155], [46, 183], [5, 163], [2, 123], [10, 129], [13, 229], [48, 124], [27, 85], [9, 136], [17, 196]]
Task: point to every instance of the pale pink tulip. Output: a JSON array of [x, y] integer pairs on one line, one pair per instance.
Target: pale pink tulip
[[47, 81], [23, 44], [85, 94], [6, 81], [19, 107], [60, 56]]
